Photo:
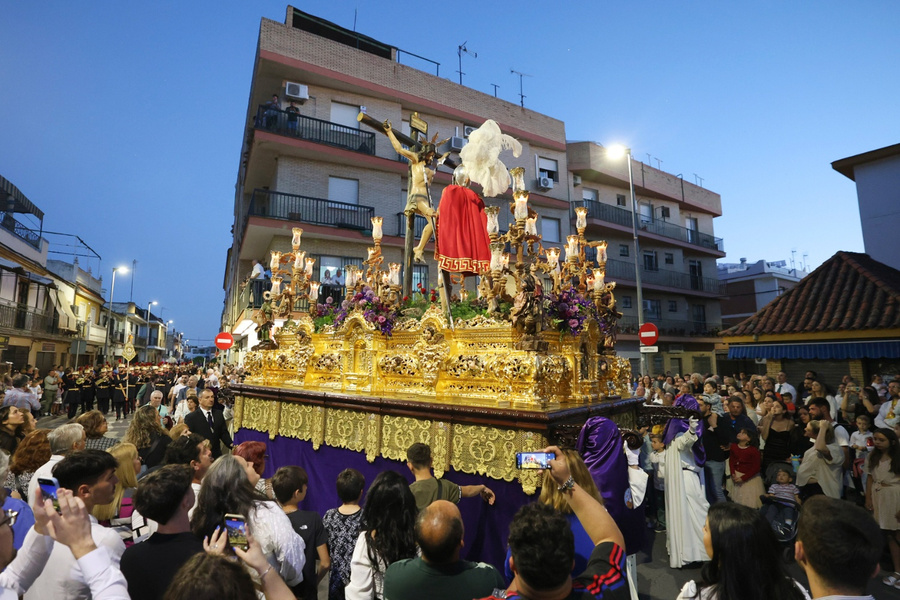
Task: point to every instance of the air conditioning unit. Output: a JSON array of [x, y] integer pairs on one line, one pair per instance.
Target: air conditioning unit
[[296, 91], [457, 143], [665, 213], [468, 129], [576, 180], [545, 183]]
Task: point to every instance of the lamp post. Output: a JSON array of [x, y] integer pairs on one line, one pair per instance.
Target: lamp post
[[147, 347], [616, 152], [112, 290]]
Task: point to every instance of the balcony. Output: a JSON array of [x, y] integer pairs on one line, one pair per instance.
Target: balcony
[[314, 130], [319, 211], [30, 320], [418, 226], [620, 270], [21, 231], [672, 327], [621, 216], [139, 341]]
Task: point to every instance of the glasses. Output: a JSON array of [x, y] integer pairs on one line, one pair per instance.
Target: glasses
[[11, 516]]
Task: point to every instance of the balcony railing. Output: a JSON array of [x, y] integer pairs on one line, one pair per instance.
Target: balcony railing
[[672, 327], [418, 226], [315, 130], [292, 207], [15, 316], [140, 341], [621, 216], [619, 270], [23, 232]]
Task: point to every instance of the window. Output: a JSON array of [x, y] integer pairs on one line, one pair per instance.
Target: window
[[652, 309], [345, 115], [669, 258], [550, 229], [658, 363], [673, 305], [702, 364], [626, 301], [589, 194], [620, 199], [420, 275], [698, 316], [343, 190], [646, 211], [547, 167], [690, 223], [651, 262], [623, 249]]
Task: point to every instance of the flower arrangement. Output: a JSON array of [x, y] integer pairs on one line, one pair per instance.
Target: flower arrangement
[[374, 310], [325, 314], [568, 311]]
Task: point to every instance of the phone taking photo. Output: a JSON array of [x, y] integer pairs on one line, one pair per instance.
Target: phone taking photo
[[49, 488], [236, 526], [534, 460]]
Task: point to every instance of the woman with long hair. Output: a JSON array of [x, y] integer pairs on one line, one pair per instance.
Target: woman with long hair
[[117, 514], [33, 451], [388, 535], [745, 559], [775, 429], [95, 428], [11, 422], [255, 455], [148, 435], [883, 493], [817, 389], [226, 489]]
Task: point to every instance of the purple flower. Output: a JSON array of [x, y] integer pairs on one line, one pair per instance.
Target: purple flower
[[573, 323], [381, 319], [563, 307], [362, 302], [345, 305], [329, 300]]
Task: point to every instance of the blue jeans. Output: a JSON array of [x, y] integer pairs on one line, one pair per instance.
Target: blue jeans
[[715, 470]]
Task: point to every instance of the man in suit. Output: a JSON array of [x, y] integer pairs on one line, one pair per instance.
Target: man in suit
[[209, 423]]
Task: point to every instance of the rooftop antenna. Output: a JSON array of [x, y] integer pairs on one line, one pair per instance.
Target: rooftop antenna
[[521, 94], [793, 263], [495, 89], [698, 180], [649, 158], [658, 163], [805, 260], [459, 52]]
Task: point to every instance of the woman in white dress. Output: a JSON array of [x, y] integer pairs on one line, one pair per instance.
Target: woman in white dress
[[745, 559], [388, 534], [226, 489]]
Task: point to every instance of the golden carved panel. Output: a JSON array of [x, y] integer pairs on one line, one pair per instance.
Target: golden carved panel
[[399, 433], [256, 414], [491, 451], [346, 429]]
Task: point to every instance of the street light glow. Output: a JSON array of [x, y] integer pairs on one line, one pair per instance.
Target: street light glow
[[616, 151], [120, 269]]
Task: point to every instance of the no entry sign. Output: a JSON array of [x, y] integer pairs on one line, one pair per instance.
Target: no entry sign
[[648, 334], [224, 341]]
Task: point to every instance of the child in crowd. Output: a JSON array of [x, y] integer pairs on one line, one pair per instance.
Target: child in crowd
[[658, 464], [342, 525], [290, 485], [744, 460], [712, 397], [861, 442], [785, 498]]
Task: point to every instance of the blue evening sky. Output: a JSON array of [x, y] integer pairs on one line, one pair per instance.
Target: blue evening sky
[[122, 121]]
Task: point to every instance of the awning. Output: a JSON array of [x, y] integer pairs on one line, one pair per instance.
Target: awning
[[823, 351], [67, 319]]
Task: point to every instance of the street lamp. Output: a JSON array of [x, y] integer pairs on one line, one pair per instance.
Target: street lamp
[[147, 349], [112, 290], [615, 152]]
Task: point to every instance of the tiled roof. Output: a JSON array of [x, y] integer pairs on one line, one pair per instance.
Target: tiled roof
[[849, 292]]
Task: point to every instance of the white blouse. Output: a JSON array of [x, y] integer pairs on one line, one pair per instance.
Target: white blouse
[[364, 584], [282, 546]]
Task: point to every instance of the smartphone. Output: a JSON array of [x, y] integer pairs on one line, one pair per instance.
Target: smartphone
[[534, 460], [49, 486], [236, 526]]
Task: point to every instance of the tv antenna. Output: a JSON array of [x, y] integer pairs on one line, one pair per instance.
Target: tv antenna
[[459, 52], [521, 94], [495, 89], [698, 180]]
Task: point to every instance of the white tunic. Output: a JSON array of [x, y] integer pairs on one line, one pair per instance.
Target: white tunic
[[686, 504]]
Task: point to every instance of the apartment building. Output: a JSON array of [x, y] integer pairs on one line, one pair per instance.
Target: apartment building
[[678, 255], [751, 286], [88, 308], [321, 170]]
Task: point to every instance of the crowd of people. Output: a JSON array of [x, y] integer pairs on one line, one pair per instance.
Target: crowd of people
[[177, 510]]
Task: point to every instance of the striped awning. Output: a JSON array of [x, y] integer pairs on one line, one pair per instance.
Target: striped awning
[[821, 351]]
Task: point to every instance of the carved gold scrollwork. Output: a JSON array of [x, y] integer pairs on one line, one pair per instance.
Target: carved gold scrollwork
[[256, 413], [398, 364], [328, 363], [346, 429], [238, 412], [399, 433], [466, 365]]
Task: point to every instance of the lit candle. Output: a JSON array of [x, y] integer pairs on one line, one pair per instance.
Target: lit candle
[[599, 277], [276, 285], [376, 228], [395, 273], [531, 226], [314, 291], [504, 260], [572, 248], [553, 256], [493, 220], [309, 266], [275, 261], [601, 252], [299, 257], [521, 211], [295, 241], [589, 281], [581, 217], [386, 279], [518, 179]]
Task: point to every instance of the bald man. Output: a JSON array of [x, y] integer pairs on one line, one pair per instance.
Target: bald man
[[439, 573]]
